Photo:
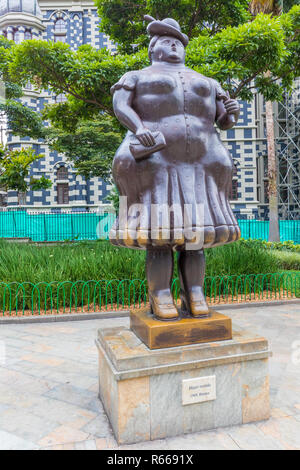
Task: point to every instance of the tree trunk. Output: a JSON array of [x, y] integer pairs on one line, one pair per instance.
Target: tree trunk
[[22, 198], [275, 8], [274, 235]]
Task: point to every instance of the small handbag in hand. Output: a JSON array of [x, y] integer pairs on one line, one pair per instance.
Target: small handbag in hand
[[139, 151]]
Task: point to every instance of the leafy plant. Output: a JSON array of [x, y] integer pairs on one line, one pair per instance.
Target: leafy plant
[[113, 198], [100, 260], [224, 45], [14, 170], [123, 20]]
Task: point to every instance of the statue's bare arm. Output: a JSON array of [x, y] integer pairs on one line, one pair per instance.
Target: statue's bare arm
[[227, 113], [122, 103]]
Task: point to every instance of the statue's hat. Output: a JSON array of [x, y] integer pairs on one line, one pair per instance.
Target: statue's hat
[[166, 27]]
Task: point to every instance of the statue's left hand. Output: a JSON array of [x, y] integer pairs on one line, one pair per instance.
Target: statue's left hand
[[232, 106], [145, 136]]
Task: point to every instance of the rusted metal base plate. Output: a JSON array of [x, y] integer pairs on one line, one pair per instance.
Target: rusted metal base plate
[[168, 334]]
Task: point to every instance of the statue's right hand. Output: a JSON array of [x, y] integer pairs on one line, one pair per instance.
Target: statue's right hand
[[145, 136]]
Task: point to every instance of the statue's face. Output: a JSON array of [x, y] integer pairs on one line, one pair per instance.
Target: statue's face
[[168, 49]]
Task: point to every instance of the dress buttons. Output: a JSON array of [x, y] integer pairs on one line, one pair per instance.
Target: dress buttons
[[188, 137]]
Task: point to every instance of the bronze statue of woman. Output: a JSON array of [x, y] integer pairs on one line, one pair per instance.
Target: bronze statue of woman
[[172, 156]]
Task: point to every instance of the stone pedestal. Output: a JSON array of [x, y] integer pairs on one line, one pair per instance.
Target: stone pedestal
[[154, 394], [167, 334]]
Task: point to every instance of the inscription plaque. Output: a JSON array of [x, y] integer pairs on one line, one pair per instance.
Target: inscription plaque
[[198, 390]]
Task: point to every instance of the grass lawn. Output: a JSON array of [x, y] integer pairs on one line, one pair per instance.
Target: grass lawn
[[288, 260], [100, 260], [40, 278]]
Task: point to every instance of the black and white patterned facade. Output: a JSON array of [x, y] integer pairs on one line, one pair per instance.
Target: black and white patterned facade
[[76, 22]]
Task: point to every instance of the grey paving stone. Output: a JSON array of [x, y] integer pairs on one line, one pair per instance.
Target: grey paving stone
[[73, 395], [98, 427], [9, 441], [208, 440], [36, 400], [26, 425], [159, 444], [86, 445], [286, 431], [249, 437]]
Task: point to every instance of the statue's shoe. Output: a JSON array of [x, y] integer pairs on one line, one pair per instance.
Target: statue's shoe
[[163, 311], [194, 304]]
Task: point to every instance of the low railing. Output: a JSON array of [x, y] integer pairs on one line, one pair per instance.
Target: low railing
[[92, 296]]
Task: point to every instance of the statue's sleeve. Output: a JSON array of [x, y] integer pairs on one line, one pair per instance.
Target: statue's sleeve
[[220, 92], [128, 81]]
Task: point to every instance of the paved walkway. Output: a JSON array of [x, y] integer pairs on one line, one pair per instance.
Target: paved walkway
[[48, 388]]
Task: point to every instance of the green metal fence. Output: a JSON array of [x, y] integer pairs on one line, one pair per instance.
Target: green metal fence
[[92, 296], [53, 226], [259, 229]]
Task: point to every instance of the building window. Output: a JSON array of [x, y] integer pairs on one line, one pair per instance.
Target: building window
[[233, 196], [60, 26], [60, 31], [61, 98], [234, 190], [62, 193], [27, 35], [60, 38], [62, 173], [17, 37]]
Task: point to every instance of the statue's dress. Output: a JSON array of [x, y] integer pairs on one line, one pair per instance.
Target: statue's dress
[[193, 171]]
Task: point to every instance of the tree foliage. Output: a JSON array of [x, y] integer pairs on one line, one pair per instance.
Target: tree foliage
[[288, 4], [91, 144], [14, 170], [22, 120], [235, 56], [84, 127], [240, 57], [123, 20]]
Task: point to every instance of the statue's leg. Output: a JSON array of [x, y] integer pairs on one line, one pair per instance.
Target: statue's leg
[[159, 270], [191, 268]]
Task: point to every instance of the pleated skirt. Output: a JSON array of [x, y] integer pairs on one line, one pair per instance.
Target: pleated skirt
[[173, 202]]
